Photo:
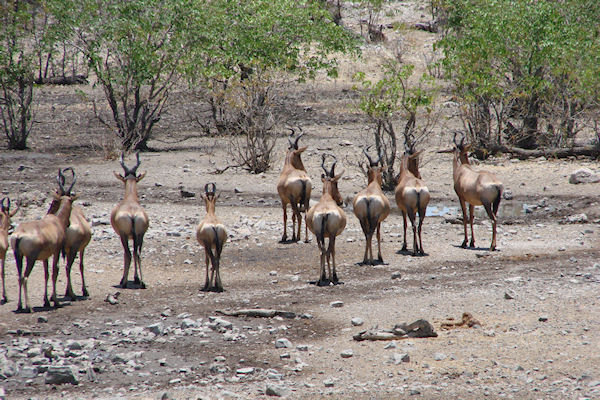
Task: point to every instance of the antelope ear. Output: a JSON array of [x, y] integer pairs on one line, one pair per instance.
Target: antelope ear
[[13, 212], [414, 155], [338, 176], [141, 176], [203, 197], [467, 148], [322, 177], [302, 149], [119, 177], [74, 197], [56, 195], [217, 196]]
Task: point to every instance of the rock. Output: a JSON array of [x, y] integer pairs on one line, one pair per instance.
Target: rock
[[283, 343], [276, 390], [236, 190], [336, 304], [28, 372], [186, 194], [112, 299], [396, 275], [356, 321], [158, 328], [439, 356], [166, 312], [347, 353], [507, 194], [390, 345], [584, 175], [543, 318], [188, 323], [302, 347], [42, 319], [58, 375], [398, 358], [273, 273], [509, 294], [577, 219], [244, 371], [328, 383]]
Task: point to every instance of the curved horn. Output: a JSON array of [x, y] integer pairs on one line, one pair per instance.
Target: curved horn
[[462, 141], [61, 181], [296, 141], [290, 137], [122, 161], [137, 163], [332, 170], [371, 162], [454, 138], [8, 204], [214, 187], [68, 192], [206, 188], [2, 207], [323, 156]]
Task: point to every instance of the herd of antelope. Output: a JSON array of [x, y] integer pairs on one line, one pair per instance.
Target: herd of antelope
[[65, 230]]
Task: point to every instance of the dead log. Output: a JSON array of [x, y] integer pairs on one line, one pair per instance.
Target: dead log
[[62, 80], [522, 154], [258, 313]]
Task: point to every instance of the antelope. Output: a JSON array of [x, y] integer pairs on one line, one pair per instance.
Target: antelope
[[5, 216], [327, 220], [294, 187], [371, 207], [412, 195], [476, 188], [130, 221], [38, 240], [211, 234], [78, 236]]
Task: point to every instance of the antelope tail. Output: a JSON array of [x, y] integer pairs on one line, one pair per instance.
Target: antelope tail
[[323, 225], [302, 208], [216, 238], [371, 220], [497, 199]]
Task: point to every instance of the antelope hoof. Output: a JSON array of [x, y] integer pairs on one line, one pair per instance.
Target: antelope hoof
[[46, 303], [380, 259], [283, 239], [136, 280], [323, 282], [404, 248], [85, 293], [464, 244], [70, 297], [218, 289], [306, 240], [335, 279], [493, 248], [26, 310], [4, 300], [142, 285], [472, 243], [123, 285]]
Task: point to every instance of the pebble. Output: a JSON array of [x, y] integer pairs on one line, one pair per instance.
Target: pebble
[[276, 390], [336, 304], [396, 275], [58, 375], [398, 358], [245, 371], [42, 319], [347, 353], [356, 321], [283, 343], [543, 318], [328, 383], [439, 356], [158, 328]]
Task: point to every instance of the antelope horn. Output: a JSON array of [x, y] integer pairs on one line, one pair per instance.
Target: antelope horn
[[68, 192], [7, 204], [137, 164], [371, 163], [2, 206], [462, 141], [61, 181], [206, 188], [291, 136], [323, 156], [332, 170], [454, 139], [125, 169], [296, 141], [214, 188]]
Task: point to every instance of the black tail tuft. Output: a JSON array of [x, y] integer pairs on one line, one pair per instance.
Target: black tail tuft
[[497, 199], [323, 225], [302, 207]]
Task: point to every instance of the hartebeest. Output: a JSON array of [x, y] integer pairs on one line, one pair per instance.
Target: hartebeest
[[211, 234], [38, 240], [412, 195], [476, 188], [294, 187], [327, 220], [371, 207], [130, 221], [5, 215], [78, 236]]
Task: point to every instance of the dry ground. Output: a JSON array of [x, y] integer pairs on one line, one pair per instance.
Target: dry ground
[[541, 344]]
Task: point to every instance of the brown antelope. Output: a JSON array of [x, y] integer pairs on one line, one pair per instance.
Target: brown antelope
[[78, 236], [294, 187], [130, 221], [327, 220], [211, 234], [371, 207], [412, 195], [476, 188], [5, 216], [38, 240]]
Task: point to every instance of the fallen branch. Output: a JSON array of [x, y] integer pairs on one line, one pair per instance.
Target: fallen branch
[[418, 329], [258, 312], [590, 151], [62, 80], [220, 171], [431, 26]]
